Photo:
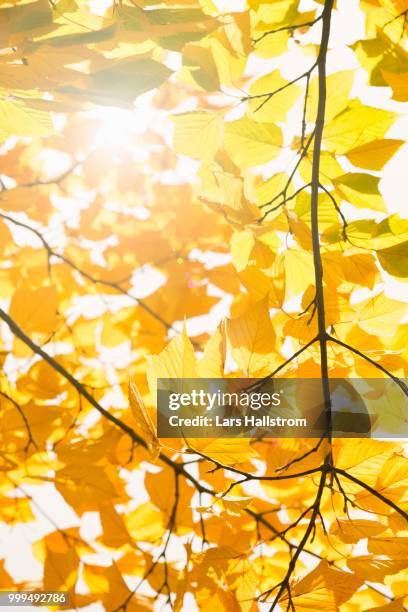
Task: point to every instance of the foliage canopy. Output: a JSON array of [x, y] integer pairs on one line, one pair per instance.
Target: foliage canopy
[[192, 192]]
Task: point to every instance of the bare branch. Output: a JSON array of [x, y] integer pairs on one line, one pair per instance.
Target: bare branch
[[373, 491], [284, 585], [377, 365], [30, 438], [97, 281], [317, 259], [337, 207], [288, 28], [302, 152], [259, 383]]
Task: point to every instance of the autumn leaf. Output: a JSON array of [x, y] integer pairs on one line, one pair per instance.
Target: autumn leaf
[[251, 338], [143, 420], [324, 586], [374, 155], [197, 134], [227, 451]]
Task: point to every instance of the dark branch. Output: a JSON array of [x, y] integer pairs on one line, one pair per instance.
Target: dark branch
[[337, 207], [97, 281], [373, 491], [377, 365], [288, 28], [314, 204]]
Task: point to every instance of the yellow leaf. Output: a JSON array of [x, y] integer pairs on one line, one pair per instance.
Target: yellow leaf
[[6, 581], [375, 154], [250, 143], [61, 563], [270, 188], [338, 87], [5, 236], [258, 284], [41, 382], [177, 361], [15, 510], [17, 119], [299, 272], [366, 233], [234, 505], [197, 134], [380, 315], [393, 606], [277, 106], [357, 529], [323, 588], [360, 269], [227, 451], [35, 310], [364, 458], [118, 592], [243, 578], [120, 82], [242, 244], [251, 338], [395, 470], [143, 420], [115, 533], [145, 523], [85, 489], [375, 568], [200, 66], [356, 126], [162, 492], [398, 83], [397, 548], [212, 363]]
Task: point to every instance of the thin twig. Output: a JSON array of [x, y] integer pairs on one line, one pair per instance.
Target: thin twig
[[380, 367], [305, 24]]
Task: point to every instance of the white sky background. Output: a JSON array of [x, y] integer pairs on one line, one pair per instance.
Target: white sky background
[[347, 26]]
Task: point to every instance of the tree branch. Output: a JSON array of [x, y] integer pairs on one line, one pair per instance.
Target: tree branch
[[259, 383], [314, 204], [305, 24], [270, 94], [74, 266], [284, 585], [338, 209], [377, 365], [373, 491]]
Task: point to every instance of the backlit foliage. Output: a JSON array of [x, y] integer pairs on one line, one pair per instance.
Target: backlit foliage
[[193, 190]]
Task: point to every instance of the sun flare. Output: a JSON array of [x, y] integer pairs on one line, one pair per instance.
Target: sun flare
[[117, 126]]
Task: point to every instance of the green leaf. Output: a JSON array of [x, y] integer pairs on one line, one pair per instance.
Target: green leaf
[[361, 190], [200, 62], [367, 234], [394, 260], [121, 83]]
